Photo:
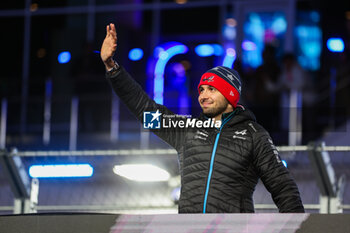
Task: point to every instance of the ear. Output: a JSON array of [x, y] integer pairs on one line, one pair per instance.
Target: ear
[[230, 107]]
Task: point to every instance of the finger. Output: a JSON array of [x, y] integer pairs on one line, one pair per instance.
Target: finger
[[107, 31], [112, 26], [113, 31], [114, 48]]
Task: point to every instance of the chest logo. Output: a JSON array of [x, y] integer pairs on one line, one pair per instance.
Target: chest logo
[[238, 137], [201, 135], [243, 132]]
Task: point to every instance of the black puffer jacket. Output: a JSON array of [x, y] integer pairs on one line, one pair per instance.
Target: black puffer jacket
[[219, 167]]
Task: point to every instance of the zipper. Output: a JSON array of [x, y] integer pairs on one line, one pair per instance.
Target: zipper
[[212, 162]]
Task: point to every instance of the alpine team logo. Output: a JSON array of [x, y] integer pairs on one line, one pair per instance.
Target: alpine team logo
[[243, 132], [151, 120], [210, 79]]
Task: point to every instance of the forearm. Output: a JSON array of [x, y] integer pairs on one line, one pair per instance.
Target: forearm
[[131, 93], [137, 101]]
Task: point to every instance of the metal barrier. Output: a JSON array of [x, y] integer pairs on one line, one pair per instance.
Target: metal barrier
[[159, 151], [330, 200]]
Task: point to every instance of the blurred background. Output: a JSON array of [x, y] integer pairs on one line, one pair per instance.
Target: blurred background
[[64, 135]]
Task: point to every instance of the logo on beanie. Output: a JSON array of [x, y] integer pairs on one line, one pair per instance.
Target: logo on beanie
[[210, 79], [232, 94]]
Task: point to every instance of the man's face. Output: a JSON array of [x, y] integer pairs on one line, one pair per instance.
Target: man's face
[[212, 101]]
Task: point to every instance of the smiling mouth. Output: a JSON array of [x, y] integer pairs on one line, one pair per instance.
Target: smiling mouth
[[206, 104]]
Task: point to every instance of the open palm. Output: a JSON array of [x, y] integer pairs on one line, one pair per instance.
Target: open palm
[[109, 46]]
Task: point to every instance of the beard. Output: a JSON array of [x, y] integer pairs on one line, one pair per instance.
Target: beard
[[213, 112]]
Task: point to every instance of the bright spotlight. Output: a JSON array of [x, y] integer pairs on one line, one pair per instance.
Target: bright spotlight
[[141, 172], [335, 45], [204, 50], [135, 54], [61, 170], [64, 57]]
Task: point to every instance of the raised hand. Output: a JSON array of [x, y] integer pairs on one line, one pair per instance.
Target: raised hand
[[109, 46]]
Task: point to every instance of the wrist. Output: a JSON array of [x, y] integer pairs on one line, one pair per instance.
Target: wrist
[[114, 69], [110, 64]]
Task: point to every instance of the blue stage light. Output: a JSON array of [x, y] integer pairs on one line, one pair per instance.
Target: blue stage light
[[230, 57], [61, 170], [309, 45], [135, 54], [170, 49], [157, 50], [249, 45], [335, 45], [284, 163], [64, 57], [218, 50], [204, 50], [315, 16], [279, 25], [229, 32]]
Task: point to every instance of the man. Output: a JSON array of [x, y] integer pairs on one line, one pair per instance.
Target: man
[[219, 167]]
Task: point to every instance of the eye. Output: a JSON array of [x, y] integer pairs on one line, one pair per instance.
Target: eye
[[212, 88], [201, 89]]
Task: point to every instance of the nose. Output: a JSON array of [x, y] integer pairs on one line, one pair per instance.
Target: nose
[[203, 95]]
